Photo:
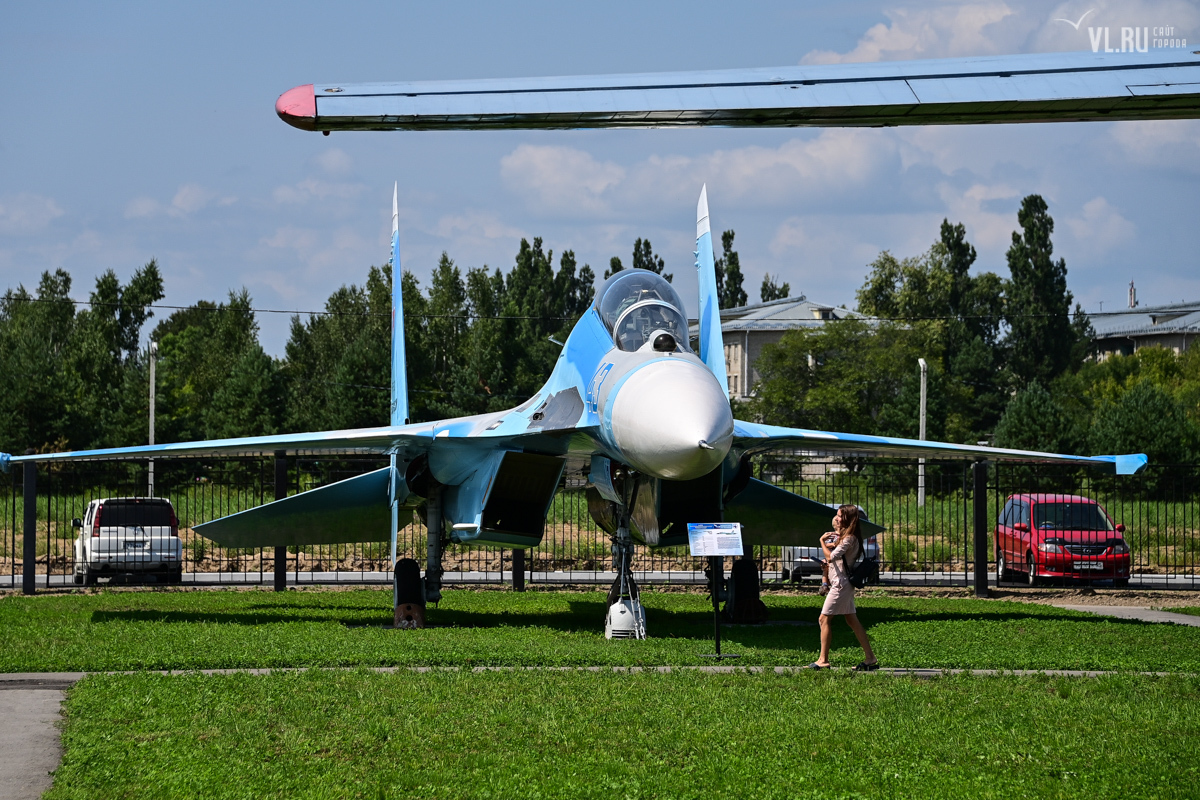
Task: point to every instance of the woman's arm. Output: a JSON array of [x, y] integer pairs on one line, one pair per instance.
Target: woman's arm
[[828, 542]]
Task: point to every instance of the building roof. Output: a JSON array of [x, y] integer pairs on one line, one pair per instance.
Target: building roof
[[1174, 318], [780, 315]]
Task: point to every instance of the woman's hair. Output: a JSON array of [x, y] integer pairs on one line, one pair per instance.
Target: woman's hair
[[853, 529]]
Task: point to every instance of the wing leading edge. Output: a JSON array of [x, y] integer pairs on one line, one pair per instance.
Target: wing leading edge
[[753, 437], [1039, 87]]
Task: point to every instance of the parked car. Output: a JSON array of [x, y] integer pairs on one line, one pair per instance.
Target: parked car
[[799, 561], [123, 535], [1059, 536]]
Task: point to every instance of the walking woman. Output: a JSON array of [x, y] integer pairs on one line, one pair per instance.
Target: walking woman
[[842, 548]]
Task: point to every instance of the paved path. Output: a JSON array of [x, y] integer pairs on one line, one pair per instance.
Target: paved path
[[29, 741], [1135, 612]]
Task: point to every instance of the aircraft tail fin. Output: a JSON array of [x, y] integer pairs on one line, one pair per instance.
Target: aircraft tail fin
[[712, 347], [399, 363]]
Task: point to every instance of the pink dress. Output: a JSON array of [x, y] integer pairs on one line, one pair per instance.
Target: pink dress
[[840, 599]]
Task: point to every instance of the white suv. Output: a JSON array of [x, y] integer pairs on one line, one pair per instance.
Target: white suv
[[128, 535], [799, 561]]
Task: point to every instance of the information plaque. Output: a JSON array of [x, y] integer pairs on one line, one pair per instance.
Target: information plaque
[[715, 539]]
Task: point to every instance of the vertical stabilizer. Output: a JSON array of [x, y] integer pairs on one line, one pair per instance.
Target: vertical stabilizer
[[399, 366], [712, 348]]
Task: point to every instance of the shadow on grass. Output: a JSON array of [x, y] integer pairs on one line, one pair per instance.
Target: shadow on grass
[[587, 616]]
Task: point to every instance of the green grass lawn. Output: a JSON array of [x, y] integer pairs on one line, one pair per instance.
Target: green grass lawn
[[350, 734], [121, 630]]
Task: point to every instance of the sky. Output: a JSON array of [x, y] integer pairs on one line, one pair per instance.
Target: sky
[[147, 130]]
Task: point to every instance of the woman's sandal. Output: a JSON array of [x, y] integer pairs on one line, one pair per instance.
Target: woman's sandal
[[865, 667], [815, 665]]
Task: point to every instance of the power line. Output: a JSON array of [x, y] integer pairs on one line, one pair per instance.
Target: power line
[[864, 318], [102, 304]]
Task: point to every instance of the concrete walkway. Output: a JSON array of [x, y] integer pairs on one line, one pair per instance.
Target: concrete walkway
[[30, 746], [1135, 612]]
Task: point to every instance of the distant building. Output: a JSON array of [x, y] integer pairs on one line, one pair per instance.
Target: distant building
[[747, 329], [1175, 326]]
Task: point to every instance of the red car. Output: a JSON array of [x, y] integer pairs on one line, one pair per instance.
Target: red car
[[1060, 536]]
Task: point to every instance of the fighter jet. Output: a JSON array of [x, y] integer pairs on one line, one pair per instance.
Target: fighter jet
[[630, 404]]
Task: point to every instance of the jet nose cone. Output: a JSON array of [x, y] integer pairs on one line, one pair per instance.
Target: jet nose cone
[[298, 107], [670, 419]]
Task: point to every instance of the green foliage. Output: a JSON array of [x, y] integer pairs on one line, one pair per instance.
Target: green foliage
[[66, 375], [730, 293], [1044, 342], [214, 380], [772, 290], [839, 376], [602, 735], [1145, 419]]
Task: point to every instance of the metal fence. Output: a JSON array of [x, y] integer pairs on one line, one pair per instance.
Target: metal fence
[[923, 543]]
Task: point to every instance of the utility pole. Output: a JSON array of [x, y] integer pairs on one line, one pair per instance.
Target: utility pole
[[921, 463], [153, 362]]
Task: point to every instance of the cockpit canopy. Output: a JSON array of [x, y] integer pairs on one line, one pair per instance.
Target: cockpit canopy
[[636, 303]]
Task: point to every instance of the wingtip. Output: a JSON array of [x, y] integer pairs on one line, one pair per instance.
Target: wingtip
[[298, 107], [702, 226], [395, 207], [4, 459]]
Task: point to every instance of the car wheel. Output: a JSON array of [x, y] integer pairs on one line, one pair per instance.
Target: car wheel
[[1031, 570], [175, 576], [1003, 573], [1121, 583], [78, 578], [89, 577]]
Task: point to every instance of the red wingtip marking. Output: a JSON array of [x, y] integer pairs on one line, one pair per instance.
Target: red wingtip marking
[[298, 107]]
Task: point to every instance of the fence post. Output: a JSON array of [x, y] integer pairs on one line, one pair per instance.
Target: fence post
[[518, 569], [979, 500], [280, 494], [29, 561]]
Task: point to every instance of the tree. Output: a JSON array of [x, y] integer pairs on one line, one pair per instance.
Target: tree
[[1034, 420], [644, 257], [839, 376], [772, 290], [1146, 419], [729, 275], [36, 377], [1043, 341], [956, 317], [614, 266]]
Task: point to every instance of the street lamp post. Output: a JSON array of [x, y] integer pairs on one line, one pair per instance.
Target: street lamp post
[[153, 362], [921, 463]]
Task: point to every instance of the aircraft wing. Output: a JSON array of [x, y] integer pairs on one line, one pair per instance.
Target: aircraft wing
[[1041, 87], [753, 437]]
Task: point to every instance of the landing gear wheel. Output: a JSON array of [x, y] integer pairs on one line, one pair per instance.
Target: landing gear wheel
[[1031, 570], [1003, 573]]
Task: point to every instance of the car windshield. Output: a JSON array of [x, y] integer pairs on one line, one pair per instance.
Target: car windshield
[[1070, 517], [128, 514], [636, 303]]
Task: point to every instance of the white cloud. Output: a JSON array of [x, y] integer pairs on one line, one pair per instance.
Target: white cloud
[[335, 161], [27, 213], [986, 229], [1100, 227], [190, 198], [560, 178], [313, 189], [971, 29], [476, 224], [1172, 144], [141, 207]]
